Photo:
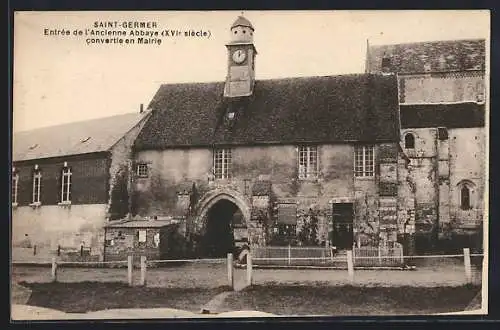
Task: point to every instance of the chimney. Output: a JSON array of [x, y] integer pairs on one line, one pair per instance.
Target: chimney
[[141, 108]]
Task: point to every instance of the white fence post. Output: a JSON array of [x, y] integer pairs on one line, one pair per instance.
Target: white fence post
[[249, 269], [143, 270], [289, 254], [379, 255], [54, 270], [350, 264], [230, 273], [129, 270], [467, 265]]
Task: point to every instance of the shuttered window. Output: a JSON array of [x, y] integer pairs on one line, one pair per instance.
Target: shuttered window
[[287, 213]]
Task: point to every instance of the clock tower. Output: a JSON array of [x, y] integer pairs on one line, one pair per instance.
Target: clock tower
[[241, 59]]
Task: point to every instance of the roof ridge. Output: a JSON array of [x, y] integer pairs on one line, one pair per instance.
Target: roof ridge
[[276, 78], [426, 42], [76, 122]]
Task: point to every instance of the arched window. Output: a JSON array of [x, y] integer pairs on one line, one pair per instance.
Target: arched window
[[466, 189], [409, 141], [465, 198]]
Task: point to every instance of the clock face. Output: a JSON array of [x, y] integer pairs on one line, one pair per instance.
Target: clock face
[[239, 56]]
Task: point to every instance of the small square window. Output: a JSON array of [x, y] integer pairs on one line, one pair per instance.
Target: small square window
[[442, 133], [142, 170]]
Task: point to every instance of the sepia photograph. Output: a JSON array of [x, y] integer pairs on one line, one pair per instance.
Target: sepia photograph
[[249, 164]]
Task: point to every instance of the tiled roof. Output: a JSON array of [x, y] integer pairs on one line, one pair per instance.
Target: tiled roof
[[74, 138], [359, 107], [454, 115], [431, 56]]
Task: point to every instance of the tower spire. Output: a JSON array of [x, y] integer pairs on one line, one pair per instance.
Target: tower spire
[[241, 59]]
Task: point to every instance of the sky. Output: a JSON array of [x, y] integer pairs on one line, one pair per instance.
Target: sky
[[61, 79]]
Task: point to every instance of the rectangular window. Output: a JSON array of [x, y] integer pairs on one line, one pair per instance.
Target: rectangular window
[[15, 181], [66, 185], [308, 162], [141, 235], [142, 170], [37, 184], [222, 163], [364, 161]]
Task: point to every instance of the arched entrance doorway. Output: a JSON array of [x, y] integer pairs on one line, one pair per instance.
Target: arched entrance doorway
[[223, 226]]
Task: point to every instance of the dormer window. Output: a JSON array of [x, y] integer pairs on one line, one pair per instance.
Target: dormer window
[[386, 64]]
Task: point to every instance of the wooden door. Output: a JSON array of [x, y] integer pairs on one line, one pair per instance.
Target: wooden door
[[342, 226]]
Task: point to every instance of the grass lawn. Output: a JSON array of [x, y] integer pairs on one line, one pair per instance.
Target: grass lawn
[[314, 299], [351, 300], [93, 296]]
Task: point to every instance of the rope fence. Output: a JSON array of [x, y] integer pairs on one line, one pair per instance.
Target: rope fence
[[349, 261]]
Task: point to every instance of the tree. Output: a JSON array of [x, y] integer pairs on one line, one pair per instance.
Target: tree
[[119, 204]]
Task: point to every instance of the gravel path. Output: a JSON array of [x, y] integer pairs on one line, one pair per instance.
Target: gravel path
[[212, 275]]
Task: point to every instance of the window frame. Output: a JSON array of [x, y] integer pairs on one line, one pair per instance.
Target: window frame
[[66, 184], [143, 166], [465, 197], [362, 171], [37, 187], [466, 184], [310, 154], [223, 158], [412, 137]]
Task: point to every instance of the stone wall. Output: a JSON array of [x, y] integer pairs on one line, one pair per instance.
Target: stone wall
[[50, 226], [435, 171], [442, 87], [173, 172]]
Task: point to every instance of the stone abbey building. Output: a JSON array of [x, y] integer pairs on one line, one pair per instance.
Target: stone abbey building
[[262, 160], [442, 93], [395, 154]]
